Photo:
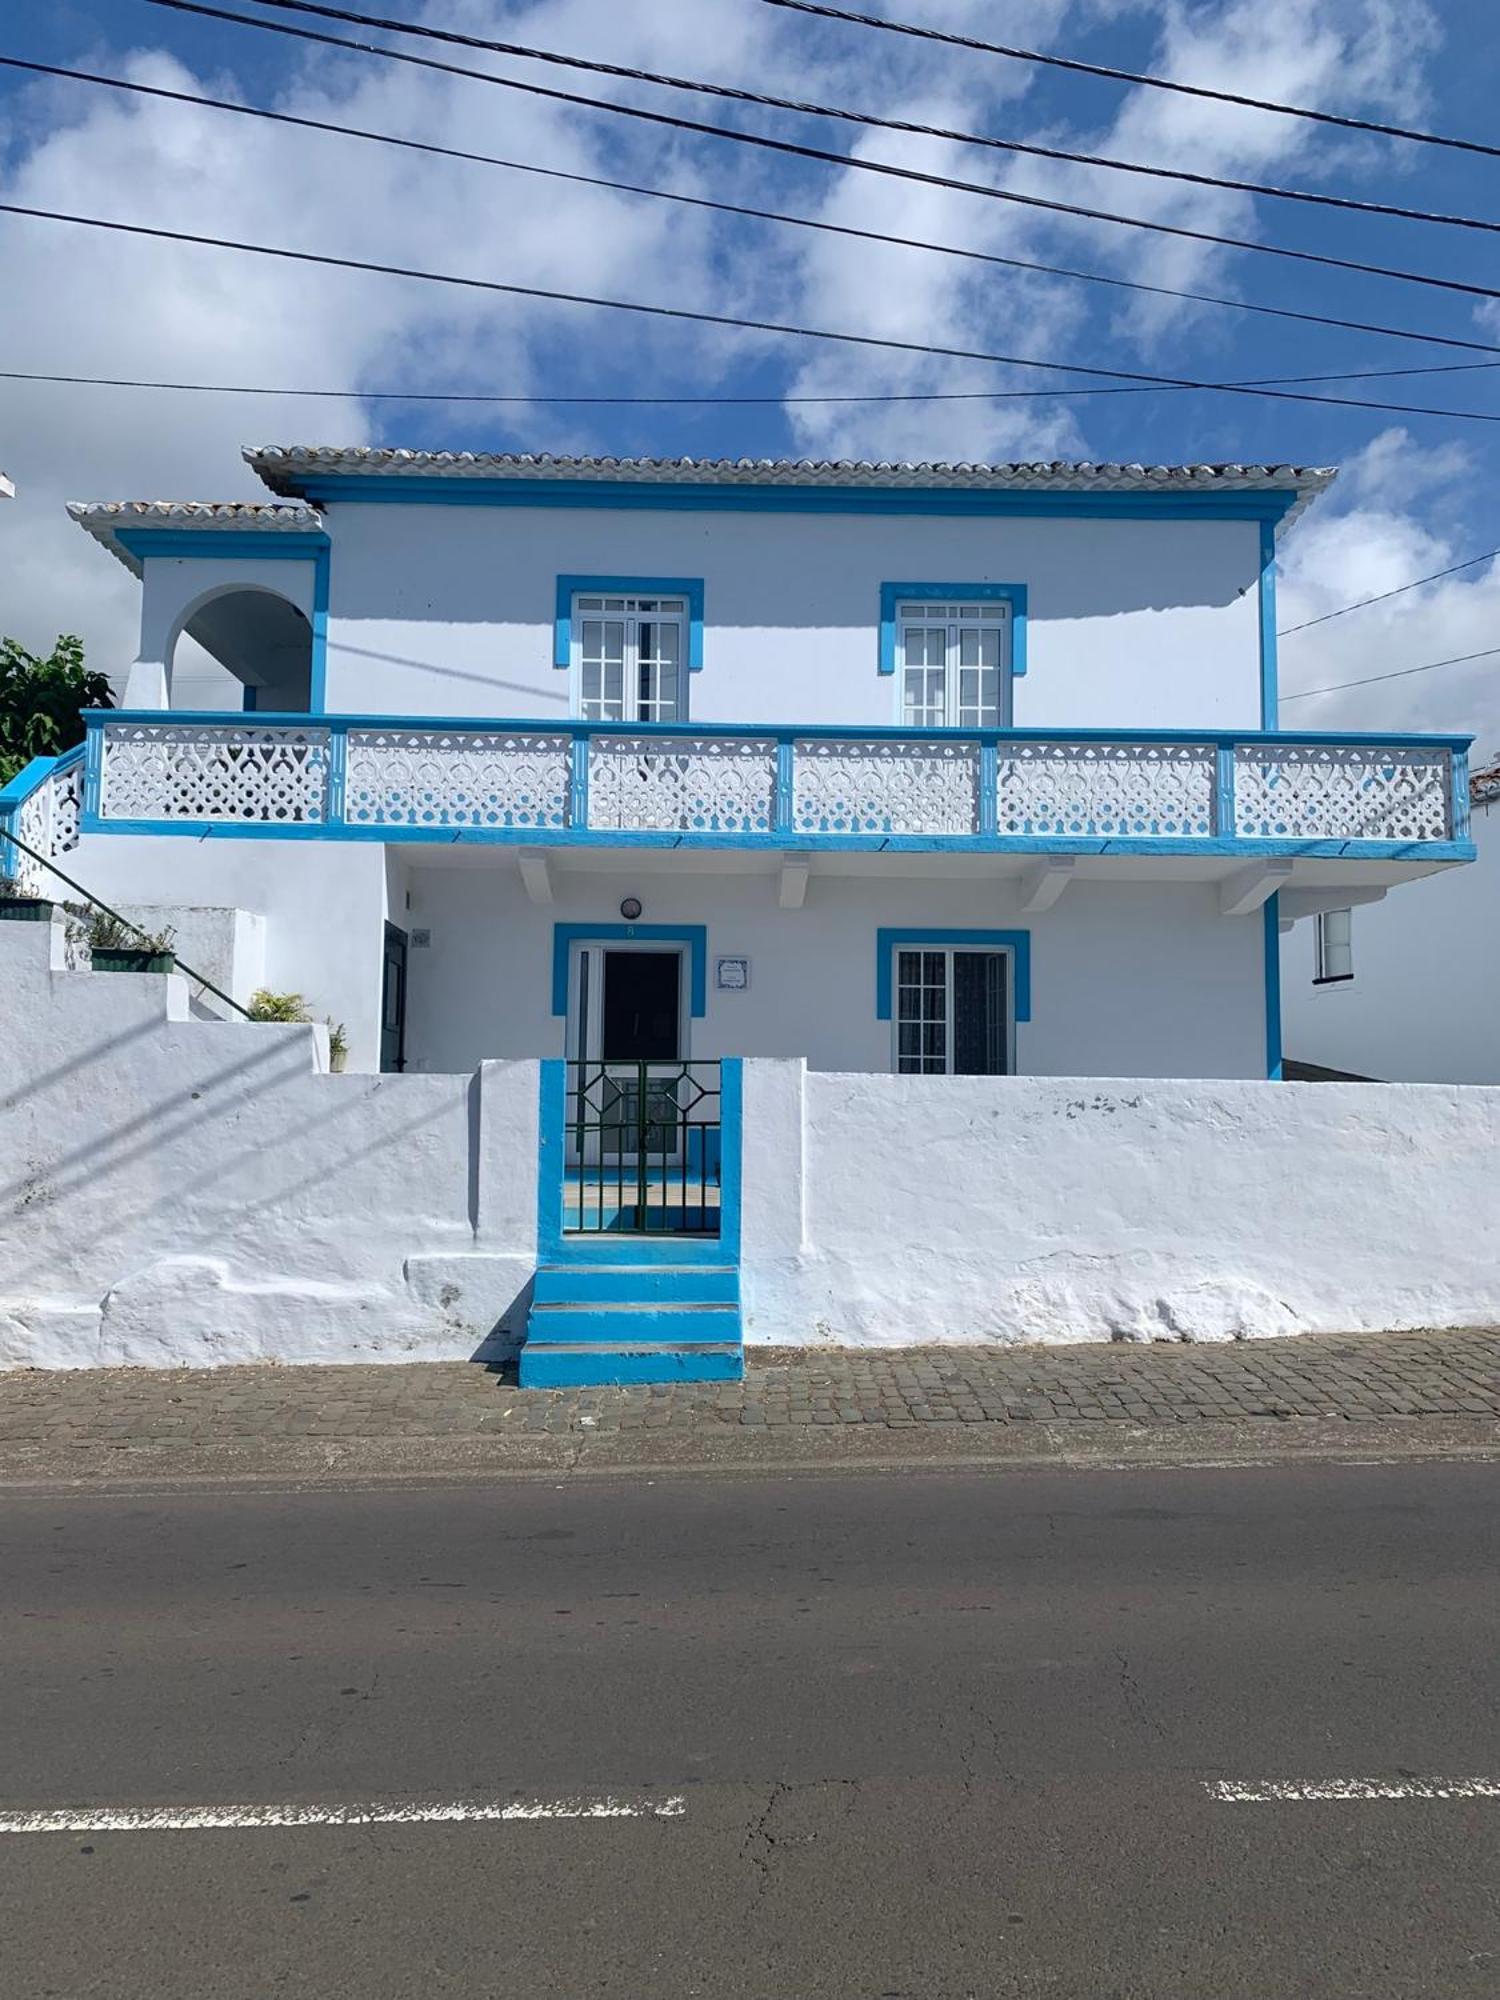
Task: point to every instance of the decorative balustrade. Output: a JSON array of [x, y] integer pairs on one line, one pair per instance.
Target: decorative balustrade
[[46, 817], [1084, 790]]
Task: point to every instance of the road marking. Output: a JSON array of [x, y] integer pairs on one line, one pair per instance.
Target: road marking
[[1277, 1791], [195, 1819]]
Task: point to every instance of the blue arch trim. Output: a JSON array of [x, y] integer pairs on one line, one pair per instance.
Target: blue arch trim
[[690, 587], [1013, 594], [1269, 701], [1271, 917], [694, 936], [887, 942]]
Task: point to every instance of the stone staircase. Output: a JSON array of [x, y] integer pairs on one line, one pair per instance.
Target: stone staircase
[[597, 1319]]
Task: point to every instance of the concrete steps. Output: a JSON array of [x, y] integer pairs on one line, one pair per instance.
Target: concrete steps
[[599, 1323]]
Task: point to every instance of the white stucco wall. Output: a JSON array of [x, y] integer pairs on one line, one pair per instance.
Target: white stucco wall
[[322, 904], [1424, 1003], [892, 1210], [449, 610], [177, 1191], [1128, 979]]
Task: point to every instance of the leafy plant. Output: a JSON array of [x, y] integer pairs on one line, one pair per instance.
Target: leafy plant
[[102, 930], [265, 1005], [338, 1044], [40, 698]]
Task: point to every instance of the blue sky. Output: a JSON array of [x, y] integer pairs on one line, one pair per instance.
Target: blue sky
[[1418, 491]]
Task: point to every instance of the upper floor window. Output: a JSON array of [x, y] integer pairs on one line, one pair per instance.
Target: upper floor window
[[1335, 947], [954, 661], [632, 653]]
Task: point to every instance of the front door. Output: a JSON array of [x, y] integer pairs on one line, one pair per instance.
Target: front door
[[640, 1019], [393, 1001], [625, 1012]]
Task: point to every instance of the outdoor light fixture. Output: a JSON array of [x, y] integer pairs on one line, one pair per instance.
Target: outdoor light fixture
[[630, 909]]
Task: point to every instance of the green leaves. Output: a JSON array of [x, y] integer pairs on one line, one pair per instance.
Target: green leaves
[[40, 700]]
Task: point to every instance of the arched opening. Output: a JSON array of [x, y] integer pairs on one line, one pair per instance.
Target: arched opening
[[248, 647]]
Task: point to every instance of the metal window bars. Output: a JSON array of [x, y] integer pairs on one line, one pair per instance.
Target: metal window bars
[[644, 1148]]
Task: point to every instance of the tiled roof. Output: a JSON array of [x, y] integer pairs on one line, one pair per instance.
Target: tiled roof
[[286, 469], [102, 519]]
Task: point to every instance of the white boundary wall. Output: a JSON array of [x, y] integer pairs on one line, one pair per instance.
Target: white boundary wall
[[183, 1192], [884, 1211]]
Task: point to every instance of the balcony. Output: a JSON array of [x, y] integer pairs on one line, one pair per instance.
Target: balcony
[[576, 784]]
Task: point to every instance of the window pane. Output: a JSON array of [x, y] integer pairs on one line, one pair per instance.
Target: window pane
[[979, 1012], [1335, 957]]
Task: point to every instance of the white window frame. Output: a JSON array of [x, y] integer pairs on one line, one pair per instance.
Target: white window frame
[[955, 615], [1333, 957], [948, 952], [631, 608]]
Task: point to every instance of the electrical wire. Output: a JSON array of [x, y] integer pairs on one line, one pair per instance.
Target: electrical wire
[[1400, 590], [794, 149], [1113, 75], [781, 327], [1401, 674], [305, 123], [736, 94]]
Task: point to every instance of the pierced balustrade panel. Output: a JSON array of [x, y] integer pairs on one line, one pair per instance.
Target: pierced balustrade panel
[[1106, 791], [447, 777], [1321, 791], [48, 822], [845, 785], [682, 784], [275, 776]]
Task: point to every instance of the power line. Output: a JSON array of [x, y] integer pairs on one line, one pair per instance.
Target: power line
[[736, 94], [795, 149], [1401, 588], [882, 342], [1113, 75], [1401, 674], [353, 394], [737, 208]]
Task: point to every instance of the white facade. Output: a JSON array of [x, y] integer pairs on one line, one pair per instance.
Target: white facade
[[1094, 861], [1422, 1004]]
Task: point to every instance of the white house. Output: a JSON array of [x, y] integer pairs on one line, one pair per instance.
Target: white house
[[926, 769], [1405, 989]]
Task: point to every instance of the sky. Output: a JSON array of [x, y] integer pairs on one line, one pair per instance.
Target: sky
[[1416, 493]]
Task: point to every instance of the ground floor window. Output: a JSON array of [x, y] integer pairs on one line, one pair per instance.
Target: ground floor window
[[1335, 954], [952, 1012]]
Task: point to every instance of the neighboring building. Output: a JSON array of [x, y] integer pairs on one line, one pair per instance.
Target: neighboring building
[[667, 758], [1405, 990]]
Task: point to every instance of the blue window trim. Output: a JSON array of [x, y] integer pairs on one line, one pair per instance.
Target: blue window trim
[[1268, 668], [1013, 594], [889, 941], [690, 587], [207, 544], [694, 936], [1266, 504], [1271, 917]]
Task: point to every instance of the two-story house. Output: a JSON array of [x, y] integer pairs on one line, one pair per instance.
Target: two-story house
[[918, 769]]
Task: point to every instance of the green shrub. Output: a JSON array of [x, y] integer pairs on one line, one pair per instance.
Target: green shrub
[[268, 1006]]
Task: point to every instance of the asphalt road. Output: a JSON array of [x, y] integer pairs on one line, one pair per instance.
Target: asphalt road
[[928, 1735]]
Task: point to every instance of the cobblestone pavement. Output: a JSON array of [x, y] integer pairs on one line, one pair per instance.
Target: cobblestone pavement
[[1399, 1379]]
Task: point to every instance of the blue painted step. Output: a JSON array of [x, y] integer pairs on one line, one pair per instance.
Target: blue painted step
[[588, 1367], [593, 1323], [637, 1284]]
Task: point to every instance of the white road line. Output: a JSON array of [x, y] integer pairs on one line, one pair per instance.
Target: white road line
[[1278, 1791], [195, 1819]]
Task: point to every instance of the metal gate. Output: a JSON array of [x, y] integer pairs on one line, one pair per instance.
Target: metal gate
[[644, 1148]]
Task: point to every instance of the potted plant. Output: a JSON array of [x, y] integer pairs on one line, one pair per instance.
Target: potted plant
[[338, 1046], [115, 946], [268, 1006], [17, 907]]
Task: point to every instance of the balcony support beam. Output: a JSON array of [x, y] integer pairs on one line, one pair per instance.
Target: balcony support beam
[[1042, 884], [536, 873], [1245, 891], [791, 890], [1298, 903]]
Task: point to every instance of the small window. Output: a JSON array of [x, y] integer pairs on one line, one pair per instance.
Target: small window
[[1335, 949], [952, 1013], [953, 659], [631, 653]]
